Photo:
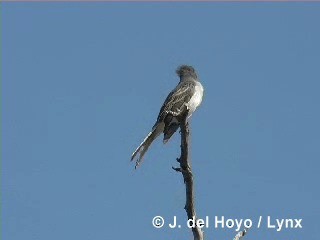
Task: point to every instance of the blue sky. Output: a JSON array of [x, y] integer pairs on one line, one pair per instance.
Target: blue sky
[[82, 84]]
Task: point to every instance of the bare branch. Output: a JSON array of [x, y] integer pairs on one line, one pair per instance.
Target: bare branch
[[186, 171]]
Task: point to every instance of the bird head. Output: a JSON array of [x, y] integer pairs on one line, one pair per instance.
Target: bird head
[[184, 71]]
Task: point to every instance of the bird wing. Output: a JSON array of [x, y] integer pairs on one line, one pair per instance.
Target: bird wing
[[176, 99]]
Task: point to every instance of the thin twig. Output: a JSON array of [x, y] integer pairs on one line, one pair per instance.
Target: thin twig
[[240, 234]]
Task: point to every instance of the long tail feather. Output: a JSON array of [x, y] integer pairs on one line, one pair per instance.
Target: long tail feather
[[142, 149]]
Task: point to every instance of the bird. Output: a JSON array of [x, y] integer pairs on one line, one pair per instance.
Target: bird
[[186, 96]]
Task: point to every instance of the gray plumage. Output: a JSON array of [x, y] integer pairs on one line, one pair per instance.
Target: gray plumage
[[186, 95]]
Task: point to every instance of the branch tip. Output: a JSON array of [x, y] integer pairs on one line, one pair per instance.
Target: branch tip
[[177, 169]]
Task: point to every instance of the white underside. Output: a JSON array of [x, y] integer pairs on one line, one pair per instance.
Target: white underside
[[196, 99]]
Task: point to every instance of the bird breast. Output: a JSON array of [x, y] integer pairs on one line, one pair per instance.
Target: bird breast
[[196, 99]]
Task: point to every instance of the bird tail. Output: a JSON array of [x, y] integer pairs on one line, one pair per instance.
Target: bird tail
[[169, 131], [142, 149]]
